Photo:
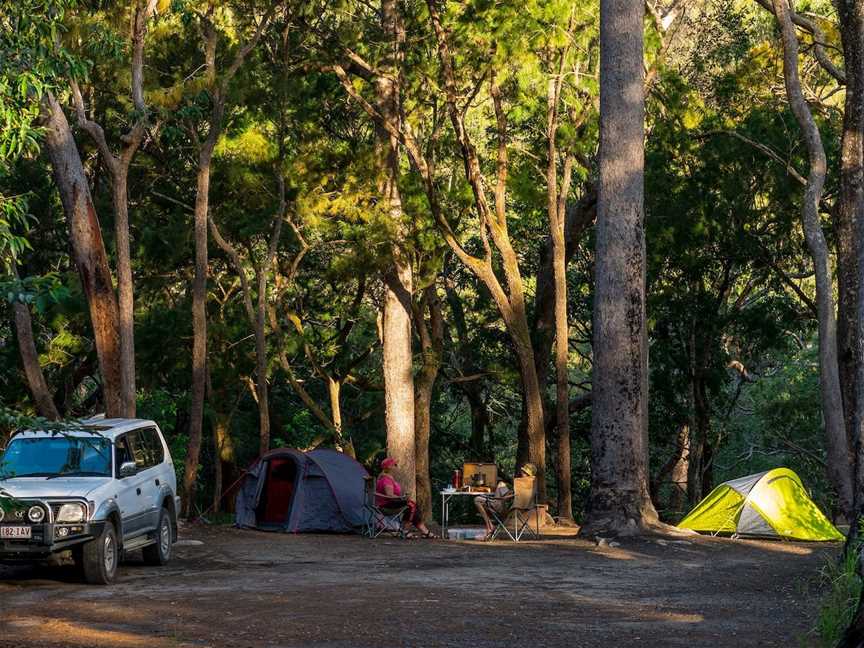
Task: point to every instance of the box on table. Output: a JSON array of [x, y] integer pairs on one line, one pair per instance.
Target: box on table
[[488, 470]]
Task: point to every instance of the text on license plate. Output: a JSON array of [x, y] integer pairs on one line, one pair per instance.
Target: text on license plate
[[16, 532]]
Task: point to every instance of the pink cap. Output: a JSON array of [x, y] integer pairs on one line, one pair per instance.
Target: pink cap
[[389, 462]]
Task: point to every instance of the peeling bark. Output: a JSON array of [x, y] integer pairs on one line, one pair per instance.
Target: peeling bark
[[88, 249]]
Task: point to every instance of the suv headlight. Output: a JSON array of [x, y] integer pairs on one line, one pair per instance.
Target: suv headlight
[[70, 513], [36, 514]]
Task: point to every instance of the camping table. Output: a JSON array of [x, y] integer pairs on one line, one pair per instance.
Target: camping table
[[446, 496]]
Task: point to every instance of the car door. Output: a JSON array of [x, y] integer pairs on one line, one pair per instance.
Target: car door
[[132, 497], [154, 458]]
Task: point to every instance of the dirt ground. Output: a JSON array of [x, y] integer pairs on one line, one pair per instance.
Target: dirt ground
[[246, 588]]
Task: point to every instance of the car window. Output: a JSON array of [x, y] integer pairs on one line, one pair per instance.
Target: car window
[[138, 448], [122, 453], [154, 446], [145, 448]]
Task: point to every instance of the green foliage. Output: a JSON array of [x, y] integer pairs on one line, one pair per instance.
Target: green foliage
[[842, 586], [721, 220], [772, 423]]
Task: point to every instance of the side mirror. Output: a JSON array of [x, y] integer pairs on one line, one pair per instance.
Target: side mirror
[[127, 469]]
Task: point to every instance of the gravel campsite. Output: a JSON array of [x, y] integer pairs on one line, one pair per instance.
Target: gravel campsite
[[235, 588]]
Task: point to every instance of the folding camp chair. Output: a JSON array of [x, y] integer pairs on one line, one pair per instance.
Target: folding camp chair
[[524, 503], [382, 519]]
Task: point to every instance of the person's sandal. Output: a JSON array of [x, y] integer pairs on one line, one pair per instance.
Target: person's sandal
[[429, 535]]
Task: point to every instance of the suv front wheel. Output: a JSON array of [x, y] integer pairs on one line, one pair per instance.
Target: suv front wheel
[[160, 553], [99, 557]]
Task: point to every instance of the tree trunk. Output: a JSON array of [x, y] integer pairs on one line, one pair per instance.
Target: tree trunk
[[432, 344], [702, 418], [533, 445], [619, 499], [579, 217], [398, 378], [224, 459], [334, 391], [199, 325], [851, 212], [125, 293], [217, 468], [261, 373], [479, 423], [30, 360], [680, 470], [88, 250], [510, 303], [851, 19], [42, 398], [562, 397], [398, 282], [555, 209], [118, 168], [676, 469], [838, 464]]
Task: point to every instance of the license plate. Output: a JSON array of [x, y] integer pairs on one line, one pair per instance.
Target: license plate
[[16, 532]]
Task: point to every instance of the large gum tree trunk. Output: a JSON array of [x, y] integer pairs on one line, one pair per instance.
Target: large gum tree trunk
[[619, 500], [838, 465], [398, 378], [398, 282], [851, 212], [88, 250], [851, 19]]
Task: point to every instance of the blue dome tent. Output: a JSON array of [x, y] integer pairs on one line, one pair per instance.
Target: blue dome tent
[[302, 492]]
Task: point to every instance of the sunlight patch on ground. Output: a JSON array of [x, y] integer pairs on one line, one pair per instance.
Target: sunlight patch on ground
[[637, 612], [40, 631], [778, 546]]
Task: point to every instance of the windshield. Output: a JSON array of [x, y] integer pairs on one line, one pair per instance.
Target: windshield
[[59, 456]]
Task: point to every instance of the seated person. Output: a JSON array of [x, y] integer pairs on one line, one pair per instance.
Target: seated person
[[498, 501], [388, 495]]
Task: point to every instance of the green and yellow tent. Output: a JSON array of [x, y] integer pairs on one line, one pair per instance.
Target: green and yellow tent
[[771, 504]]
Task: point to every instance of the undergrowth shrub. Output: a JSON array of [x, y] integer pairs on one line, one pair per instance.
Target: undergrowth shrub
[[842, 586]]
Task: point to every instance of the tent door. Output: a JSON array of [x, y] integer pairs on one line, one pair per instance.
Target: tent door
[[278, 493]]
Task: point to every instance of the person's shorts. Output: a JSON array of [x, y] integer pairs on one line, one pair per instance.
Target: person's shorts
[[490, 503]]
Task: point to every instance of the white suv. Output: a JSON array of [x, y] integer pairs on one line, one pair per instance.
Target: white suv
[[102, 488]]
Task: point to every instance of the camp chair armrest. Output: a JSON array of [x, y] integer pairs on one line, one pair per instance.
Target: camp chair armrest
[[392, 499], [494, 498]]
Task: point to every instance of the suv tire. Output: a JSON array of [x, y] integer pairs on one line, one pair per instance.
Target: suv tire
[[99, 557], [160, 553]]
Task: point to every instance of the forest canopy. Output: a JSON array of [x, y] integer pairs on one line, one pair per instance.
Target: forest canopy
[[374, 227]]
